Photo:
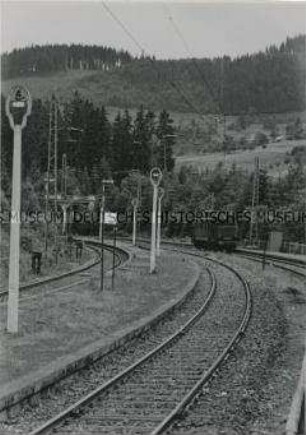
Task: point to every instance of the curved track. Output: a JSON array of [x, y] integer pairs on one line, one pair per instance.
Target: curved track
[[290, 265], [295, 266], [120, 254], [147, 396]]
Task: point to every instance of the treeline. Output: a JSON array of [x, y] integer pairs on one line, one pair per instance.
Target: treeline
[[231, 190], [271, 81], [95, 147], [37, 60], [125, 149], [266, 82]]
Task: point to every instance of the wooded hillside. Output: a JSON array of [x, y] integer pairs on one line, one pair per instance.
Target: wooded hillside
[[271, 81]]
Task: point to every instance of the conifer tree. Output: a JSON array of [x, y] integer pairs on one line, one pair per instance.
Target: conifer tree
[[166, 136]]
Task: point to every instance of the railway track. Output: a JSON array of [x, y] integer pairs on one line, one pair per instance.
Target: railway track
[[289, 265], [118, 387], [294, 266], [151, 393], [38, 407], [65, 279]]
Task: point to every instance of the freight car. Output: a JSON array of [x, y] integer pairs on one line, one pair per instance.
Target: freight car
[[212, 236]]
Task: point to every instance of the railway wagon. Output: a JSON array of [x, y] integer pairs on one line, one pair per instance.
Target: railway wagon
[[213, 236]]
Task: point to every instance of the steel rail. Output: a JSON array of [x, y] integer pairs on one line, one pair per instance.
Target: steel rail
[[89, 265], [286, 260], [268, 256], [256, 256], [206, 376], [47, 280], [120, 252], [274, 260], [110, 383], [216, 364]]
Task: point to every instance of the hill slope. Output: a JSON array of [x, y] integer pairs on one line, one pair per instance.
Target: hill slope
[[269, 81]]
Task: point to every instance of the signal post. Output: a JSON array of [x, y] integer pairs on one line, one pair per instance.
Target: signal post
[[161, 193], [155, 178], [135, 206], [18, 107], [101, 229]]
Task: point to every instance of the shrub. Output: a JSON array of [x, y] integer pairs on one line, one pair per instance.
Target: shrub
[[261, 139]]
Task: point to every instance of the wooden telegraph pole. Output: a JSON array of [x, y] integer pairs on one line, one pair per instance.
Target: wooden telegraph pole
[[18, 107]]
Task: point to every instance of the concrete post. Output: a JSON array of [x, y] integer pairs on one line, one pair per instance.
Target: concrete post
[[134, 225], [153, 232], [13, 297]]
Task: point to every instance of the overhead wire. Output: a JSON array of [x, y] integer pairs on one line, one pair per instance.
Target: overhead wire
[[173, 84], [190, 54], [152, 61], [179, 33]]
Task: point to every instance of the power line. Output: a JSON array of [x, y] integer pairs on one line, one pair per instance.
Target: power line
[[199, 70], [179, 33], [122, 25], [183, 40], [153, 62]]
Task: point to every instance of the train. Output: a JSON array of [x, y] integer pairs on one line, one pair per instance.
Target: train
[[215, 236]]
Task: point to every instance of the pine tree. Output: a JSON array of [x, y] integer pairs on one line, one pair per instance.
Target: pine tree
[[263, 187], [122, 146], [166, 136], [141, 146], [104, 135], [74, 132]]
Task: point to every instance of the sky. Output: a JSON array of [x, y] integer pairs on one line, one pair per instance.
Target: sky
[[166, 30]]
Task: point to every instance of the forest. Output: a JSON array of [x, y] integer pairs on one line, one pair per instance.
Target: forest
[[270, 81], [125, 150], [125, 147], [95, 147], [51, 58]]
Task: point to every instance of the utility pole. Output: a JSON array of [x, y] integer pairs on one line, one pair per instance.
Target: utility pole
[[161, 193], [155, 178], [64, 176], [51, 186], [64, 204], [18, 108], [153, 233], [102, 213], [102, 236], [135, 206], [114, 256], [138, 197], [255, 199], [52, 171], [139, 193]]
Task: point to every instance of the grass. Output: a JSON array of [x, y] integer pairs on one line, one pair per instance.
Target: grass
[[56, 325], [272, 158], [49, 267]]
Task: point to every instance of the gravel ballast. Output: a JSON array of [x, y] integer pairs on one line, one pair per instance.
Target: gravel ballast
[[135, 296], [30, 413], [253, 391]]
